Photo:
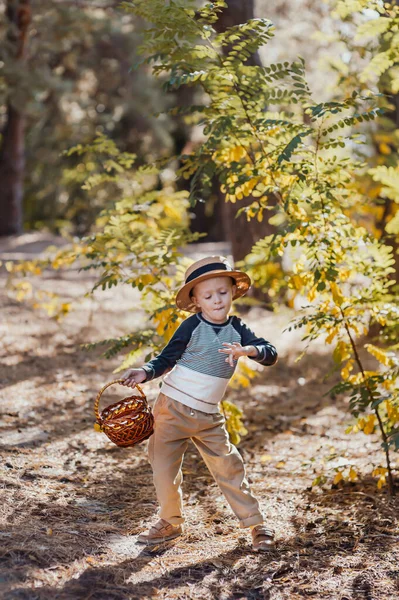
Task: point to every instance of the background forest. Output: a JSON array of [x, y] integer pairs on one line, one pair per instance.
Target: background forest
[[66, 74], [135, 137]]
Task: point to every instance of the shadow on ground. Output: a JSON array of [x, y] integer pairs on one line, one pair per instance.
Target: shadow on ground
[[325, 540]]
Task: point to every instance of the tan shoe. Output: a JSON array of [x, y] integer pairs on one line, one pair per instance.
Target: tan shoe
[[160, 532], [262, 538]]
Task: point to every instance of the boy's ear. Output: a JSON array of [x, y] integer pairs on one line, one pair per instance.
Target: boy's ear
[[194, 299], [233, 289]]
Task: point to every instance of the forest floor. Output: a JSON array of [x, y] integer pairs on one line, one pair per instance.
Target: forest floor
[[73, 503]]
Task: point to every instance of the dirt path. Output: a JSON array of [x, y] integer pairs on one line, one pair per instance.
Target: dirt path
[[72, 503]]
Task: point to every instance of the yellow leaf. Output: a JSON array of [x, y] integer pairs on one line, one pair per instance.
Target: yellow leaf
[[379, 471], [97, 427], [65, 308], [370, 425], [361, 423], [312, 293], [331, 335], [382, 481], [338, 477], [392, 411], [280, 465], [345, 372], [234, 438], [236, 154], [243, 375], [352, 474], [344, 274], [248, 186], [379, 354], [172, 211], [266, 458], [384, 148], [24, 289], [297, 282], [336, 294], [388, 384], [145, 279], [355, 379], [355, 328], [164, 324], [341, 352]]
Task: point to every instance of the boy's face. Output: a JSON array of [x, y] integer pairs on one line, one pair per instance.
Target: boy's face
[[214, 297]]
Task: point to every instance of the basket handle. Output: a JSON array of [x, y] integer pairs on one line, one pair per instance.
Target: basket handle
[[97, 400]]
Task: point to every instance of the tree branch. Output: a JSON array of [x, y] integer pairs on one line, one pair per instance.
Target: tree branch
[[391, 484]]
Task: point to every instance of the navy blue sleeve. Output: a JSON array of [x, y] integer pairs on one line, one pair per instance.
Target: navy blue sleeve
[[267, 353], [166, 360]]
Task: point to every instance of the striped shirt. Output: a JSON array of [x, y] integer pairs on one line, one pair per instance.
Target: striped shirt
[[197, 374]]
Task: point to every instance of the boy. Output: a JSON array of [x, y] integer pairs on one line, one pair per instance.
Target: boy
[[199, 360]]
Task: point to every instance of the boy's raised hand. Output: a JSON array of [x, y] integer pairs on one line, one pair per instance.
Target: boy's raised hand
[[133, 376], [235, 350]]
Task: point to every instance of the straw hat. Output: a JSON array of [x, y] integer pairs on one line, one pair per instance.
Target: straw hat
[[206, 268]]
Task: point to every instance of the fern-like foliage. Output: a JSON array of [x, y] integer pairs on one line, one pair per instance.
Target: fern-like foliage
[[266, 137]]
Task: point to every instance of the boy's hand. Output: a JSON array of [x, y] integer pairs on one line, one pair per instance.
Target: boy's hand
[[133, 376], [235, 350]]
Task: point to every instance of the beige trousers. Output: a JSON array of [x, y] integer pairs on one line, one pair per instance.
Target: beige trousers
[[175, 425]]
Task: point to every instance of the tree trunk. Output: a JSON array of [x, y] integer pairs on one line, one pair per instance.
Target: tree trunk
[[390, 205], [206, 217], [12, 152], [12, 164], [391, 208], [241, 233]]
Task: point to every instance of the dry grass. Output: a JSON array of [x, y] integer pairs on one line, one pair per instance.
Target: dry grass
[[73, 503]]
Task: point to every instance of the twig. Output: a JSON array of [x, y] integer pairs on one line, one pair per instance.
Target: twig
[[395, 537], [391, 484], [339, 493]]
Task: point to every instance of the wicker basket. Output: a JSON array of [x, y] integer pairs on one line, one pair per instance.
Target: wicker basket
[[127, 422]]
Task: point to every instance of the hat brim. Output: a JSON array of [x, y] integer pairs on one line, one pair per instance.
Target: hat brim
[[185, 302]]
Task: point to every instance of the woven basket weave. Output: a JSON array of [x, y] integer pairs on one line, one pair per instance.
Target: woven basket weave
[[127, 422]]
